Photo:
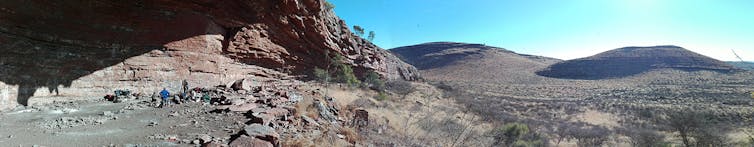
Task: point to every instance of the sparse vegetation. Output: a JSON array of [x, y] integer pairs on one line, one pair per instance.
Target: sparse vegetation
[[510, 133], [696, 128], [591, 136], [345, 75], [341, 72], [400, 87], [517, 135], [373, 80], [645, 137], [321, 75], [381, 96]]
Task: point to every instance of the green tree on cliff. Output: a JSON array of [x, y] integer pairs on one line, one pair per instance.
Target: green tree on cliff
[[371, 36], [359, 30]]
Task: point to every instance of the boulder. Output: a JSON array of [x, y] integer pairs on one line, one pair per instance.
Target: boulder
[[242, 107], [205, 138], [247, 84], [211, 144], [294, 96], [309, 120], [246, 141], [262, 132], [325, 111], [360, 118], [261, 118], [277, 112]]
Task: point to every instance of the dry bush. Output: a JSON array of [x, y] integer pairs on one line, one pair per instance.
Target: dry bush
[[298, 142], [644, 137], [400, 87], [327, 138], [351, 134], [590, 136], [696, 127], [305, 107]]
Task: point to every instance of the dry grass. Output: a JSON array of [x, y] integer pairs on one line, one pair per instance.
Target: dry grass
[[352, 136], [298, 142], [423, 117]]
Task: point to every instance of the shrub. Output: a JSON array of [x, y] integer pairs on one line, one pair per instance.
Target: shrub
[[381, 96], [510, 133], [684, 123], [645, 137], [345, 74], [321, 75], [696, 128], [400, 87], [528, 143], [710, 136], [591, 136], [374, 81]]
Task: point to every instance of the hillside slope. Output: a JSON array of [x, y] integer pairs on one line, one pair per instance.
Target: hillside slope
[[449, 61], [629, 61]]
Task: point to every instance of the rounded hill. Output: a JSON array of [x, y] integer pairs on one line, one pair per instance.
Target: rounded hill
[[629, 61]]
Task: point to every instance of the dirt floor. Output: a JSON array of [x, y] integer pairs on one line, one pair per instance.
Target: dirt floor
[[129, 123]]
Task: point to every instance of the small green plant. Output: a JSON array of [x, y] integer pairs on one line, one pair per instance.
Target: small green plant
[[381, 96], [321, 75], [329, 6], [374, 81], [346, 76], [511, 133], [344, 72], [528, 143]]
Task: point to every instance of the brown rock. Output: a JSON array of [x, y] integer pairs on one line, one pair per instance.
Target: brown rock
[[242, 107], [211, 144], [246, 141], [277, 112], [247, 84], [262, 132], [261, 118], [360, 118]]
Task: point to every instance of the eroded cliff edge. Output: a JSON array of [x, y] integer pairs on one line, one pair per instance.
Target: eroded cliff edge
[[89, 48]]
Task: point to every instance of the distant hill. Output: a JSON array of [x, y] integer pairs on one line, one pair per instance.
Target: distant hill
[[629, 61], [451, 61], [742, 65]]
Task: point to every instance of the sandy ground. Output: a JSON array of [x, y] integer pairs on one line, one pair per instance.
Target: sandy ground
[[103, 123]]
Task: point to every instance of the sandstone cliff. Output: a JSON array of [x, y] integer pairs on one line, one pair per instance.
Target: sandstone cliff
[[89, 48]]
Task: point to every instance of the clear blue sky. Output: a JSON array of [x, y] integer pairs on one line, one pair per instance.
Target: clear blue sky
[[563, 29]]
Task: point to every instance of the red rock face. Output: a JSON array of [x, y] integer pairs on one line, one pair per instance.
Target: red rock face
[[90, 48]]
